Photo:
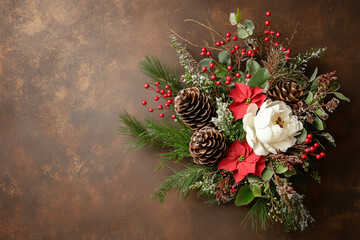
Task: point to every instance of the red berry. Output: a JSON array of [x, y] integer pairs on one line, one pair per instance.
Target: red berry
[[268, 13], [227, 82], [272, 32], [213, 77], [144, 102], [287, 58], [238, 75], [156, 98], [278, 34], [169, 91], [222, 43], [169, 101], [234, 38], [228, 77], [157, 83], [211, 65], [312, 149], [288, 51], [157, 90], [322, 154], [167, 86], [255, 48], [202, 53], [173, 116], [283, 49], [168, 94], [309, 136], [307, 150], [218, 83], [307, 140], [161, 115], [151, 110], [203, 49], [162, 91], [232, 51], [266, 39], [146, 85], [248, 75], [208, 53], [253, 55], [266, 32], [318, 156], [204, 69], [228, 39], [236, 47], [276, 44], [267, 23], [218, 43], [166, 104], [243, 50], [249, 52], [229, 68], [316, 145], [160, 107], [304, 156], [165, 95]]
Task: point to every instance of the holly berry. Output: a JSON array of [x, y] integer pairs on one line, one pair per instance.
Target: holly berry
[[322, 154], [255, 48], [307, 150], [169, 91], [161, 115], [304, 156], [234, 38], [272, 32], [268, 13], [204, 69], [249, 52], [308, 140], [146, 85], [237, 75], [213, 77], [228, 78], [248, 75], [144, 102], [283, 49], [316, 145], [202, 53], [228, 39], [166, 104], [318, 156], [218, 83], [157, 84], [236, 47], [267, 23], [232, 51], [266, 32], [150, 110], [253, 55], [211, 65], [229, 68], [312, 149], [288, 52], [266, 39], [173, 116], [160, 107], [227, 82], [208, 53], [309, 136], [228, 34], [222, 43], [168, 94], [156, 98], [278, 34], [157, 90], [276, 44], [167, 86], [203, 49], [165, 95], [162, 91]]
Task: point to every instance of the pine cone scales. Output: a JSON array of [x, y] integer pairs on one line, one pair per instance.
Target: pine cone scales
[[194, 108], [207, 146], [289, 92]]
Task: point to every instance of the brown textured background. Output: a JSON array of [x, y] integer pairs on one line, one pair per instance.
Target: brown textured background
[[67, 67]]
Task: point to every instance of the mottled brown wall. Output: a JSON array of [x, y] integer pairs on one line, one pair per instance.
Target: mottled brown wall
[[67, 67]]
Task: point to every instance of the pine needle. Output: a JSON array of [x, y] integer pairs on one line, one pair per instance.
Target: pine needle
[[258, 215]]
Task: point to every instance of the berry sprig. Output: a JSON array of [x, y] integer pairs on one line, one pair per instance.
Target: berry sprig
[[312, 149], [165, 93]]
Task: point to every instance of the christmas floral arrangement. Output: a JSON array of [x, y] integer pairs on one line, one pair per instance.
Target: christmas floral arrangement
[[249, 123]]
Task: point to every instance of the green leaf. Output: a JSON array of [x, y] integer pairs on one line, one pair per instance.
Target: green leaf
[[267, 187], [267, 174], [309, 97], [334, 87], [224, 57], [252, 66], [289, 173], [341, 96], [279, 168], [260, 77], [205, 62], [238, 16], [302, 136], [328, 138], [313, 76], [221, 74], [319, 111], [318, 123], [233, 19], [253, 178], [244, 196], [314, 85], [256, 189], [245, 29]]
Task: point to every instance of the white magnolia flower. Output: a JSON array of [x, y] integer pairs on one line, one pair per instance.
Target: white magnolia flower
[[273, 128]]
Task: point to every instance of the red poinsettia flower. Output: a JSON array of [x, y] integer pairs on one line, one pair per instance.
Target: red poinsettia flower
[[241, 160], [243, 96]]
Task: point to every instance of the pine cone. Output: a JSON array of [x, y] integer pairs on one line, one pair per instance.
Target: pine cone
[[194, 108], [207, 146], [289, 92]]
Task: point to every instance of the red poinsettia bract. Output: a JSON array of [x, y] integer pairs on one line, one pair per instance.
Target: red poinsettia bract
[[241, 160], [243, 95]]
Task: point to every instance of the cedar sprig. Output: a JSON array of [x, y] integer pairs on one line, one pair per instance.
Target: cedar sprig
[[258, 215]]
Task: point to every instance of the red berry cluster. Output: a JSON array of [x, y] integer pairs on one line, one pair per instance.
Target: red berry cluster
[[226, 188], [312, 149], [165, 93]]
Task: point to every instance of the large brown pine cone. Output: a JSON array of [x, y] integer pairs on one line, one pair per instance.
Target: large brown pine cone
[[289, 92], [194, 108], [207, 146]]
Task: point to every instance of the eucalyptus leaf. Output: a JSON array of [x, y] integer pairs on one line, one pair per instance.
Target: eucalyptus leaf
[[302, 136], [205, 62], [309, 97], [319, 111], [256, 189], [224, 58], [253, 178], [330, 139], [334, 87], [233, 19], [245, 29], [341, 96], [260, 77], [244, 196], [252, 66], [313, 76], [318, 123], [279, 168], [314, 85], [289, 173], [267, 174], [220, 74]]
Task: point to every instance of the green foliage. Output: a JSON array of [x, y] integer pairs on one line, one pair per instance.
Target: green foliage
[[260, 77], [224, 57], [252, 66], [258, 215], [181, 181], [235, 18], [244, 196], [159, 73], [267, 174], [205, 62], [151, 133], [245, 29], [341, 96]]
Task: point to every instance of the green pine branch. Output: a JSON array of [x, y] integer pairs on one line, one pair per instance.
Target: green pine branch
[[181, 182], [163, 74], [258, 215]]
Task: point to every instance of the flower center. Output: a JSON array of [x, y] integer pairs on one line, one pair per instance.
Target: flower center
[[279, 122], [248, 101], [241, 158]]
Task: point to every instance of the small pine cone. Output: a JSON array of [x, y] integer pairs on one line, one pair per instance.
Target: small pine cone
[[207, 146], [194, 108], [289, 92]]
